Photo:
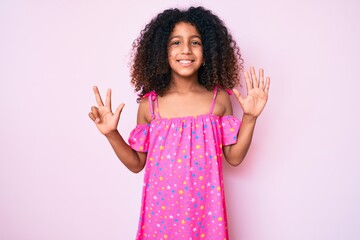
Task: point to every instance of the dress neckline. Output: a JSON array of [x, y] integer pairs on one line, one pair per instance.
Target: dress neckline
[[155, 114], [186, 117]]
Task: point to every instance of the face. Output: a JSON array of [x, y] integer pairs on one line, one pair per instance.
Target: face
[[185, 51]]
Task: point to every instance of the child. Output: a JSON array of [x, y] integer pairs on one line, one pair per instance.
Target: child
[[184, 65]]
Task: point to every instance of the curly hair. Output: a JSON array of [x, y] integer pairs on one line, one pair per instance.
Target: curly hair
[[150, 70]]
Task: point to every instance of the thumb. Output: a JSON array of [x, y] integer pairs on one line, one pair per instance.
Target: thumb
[[119, 110], [237, 95]]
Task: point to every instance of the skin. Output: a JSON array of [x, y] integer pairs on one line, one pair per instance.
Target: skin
[[185, 56], [185, 53]]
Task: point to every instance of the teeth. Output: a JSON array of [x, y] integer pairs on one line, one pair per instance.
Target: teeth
[[185, 61]]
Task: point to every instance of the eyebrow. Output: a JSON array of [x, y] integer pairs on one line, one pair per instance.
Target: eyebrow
[[178, 36]]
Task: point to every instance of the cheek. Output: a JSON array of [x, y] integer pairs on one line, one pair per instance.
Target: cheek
[[198, 52], [170, 58], [171, 53]]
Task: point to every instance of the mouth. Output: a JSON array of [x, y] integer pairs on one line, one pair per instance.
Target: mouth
[[185, 62]]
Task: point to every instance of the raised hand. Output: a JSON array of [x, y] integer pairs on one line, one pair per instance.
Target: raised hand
[[257, 93], [106, 121]]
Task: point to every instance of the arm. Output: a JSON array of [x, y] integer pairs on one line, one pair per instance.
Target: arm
[[106, 121], [252, 105]]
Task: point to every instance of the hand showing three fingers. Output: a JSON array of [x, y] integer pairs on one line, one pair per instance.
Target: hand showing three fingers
[[257, 93], [106, 121]]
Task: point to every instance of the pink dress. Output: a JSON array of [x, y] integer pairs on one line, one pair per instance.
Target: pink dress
[[183, 192]]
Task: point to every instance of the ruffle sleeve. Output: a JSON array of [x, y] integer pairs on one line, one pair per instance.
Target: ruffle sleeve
[[230, 128], [139, 138]]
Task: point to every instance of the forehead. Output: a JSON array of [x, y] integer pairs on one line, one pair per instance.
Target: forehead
[[184, 29]]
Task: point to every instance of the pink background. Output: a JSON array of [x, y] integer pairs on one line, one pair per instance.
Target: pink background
[[59, 178]]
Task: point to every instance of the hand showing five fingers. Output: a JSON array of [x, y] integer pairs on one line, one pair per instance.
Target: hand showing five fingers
[[257, 93], [106, 121]]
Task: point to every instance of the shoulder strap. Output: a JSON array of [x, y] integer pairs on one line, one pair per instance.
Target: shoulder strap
[[229, 91], [152, 98], [157, 114], [213, 101]]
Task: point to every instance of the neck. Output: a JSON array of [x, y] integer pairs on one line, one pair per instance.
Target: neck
[[183, 85]]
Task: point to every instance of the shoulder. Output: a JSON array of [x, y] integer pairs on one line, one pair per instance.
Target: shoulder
[[143, 115], [223, 104]]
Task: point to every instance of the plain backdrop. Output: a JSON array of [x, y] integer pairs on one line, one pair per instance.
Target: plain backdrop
[[59, 178]]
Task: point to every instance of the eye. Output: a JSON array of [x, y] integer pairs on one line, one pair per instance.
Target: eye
[[196, 42], [175, 43]]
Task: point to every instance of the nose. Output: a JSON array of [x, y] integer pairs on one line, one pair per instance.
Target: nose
[[186, 48]]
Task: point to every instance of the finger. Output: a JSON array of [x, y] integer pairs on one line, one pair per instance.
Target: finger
[[108, 98], [248, 81], [261, 80], [98, 97], [91, 116], [267, 85], [119, 110], [253, 77], [95, 113]]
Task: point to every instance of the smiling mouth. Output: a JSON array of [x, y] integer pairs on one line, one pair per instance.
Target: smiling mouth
[[185, 62]]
